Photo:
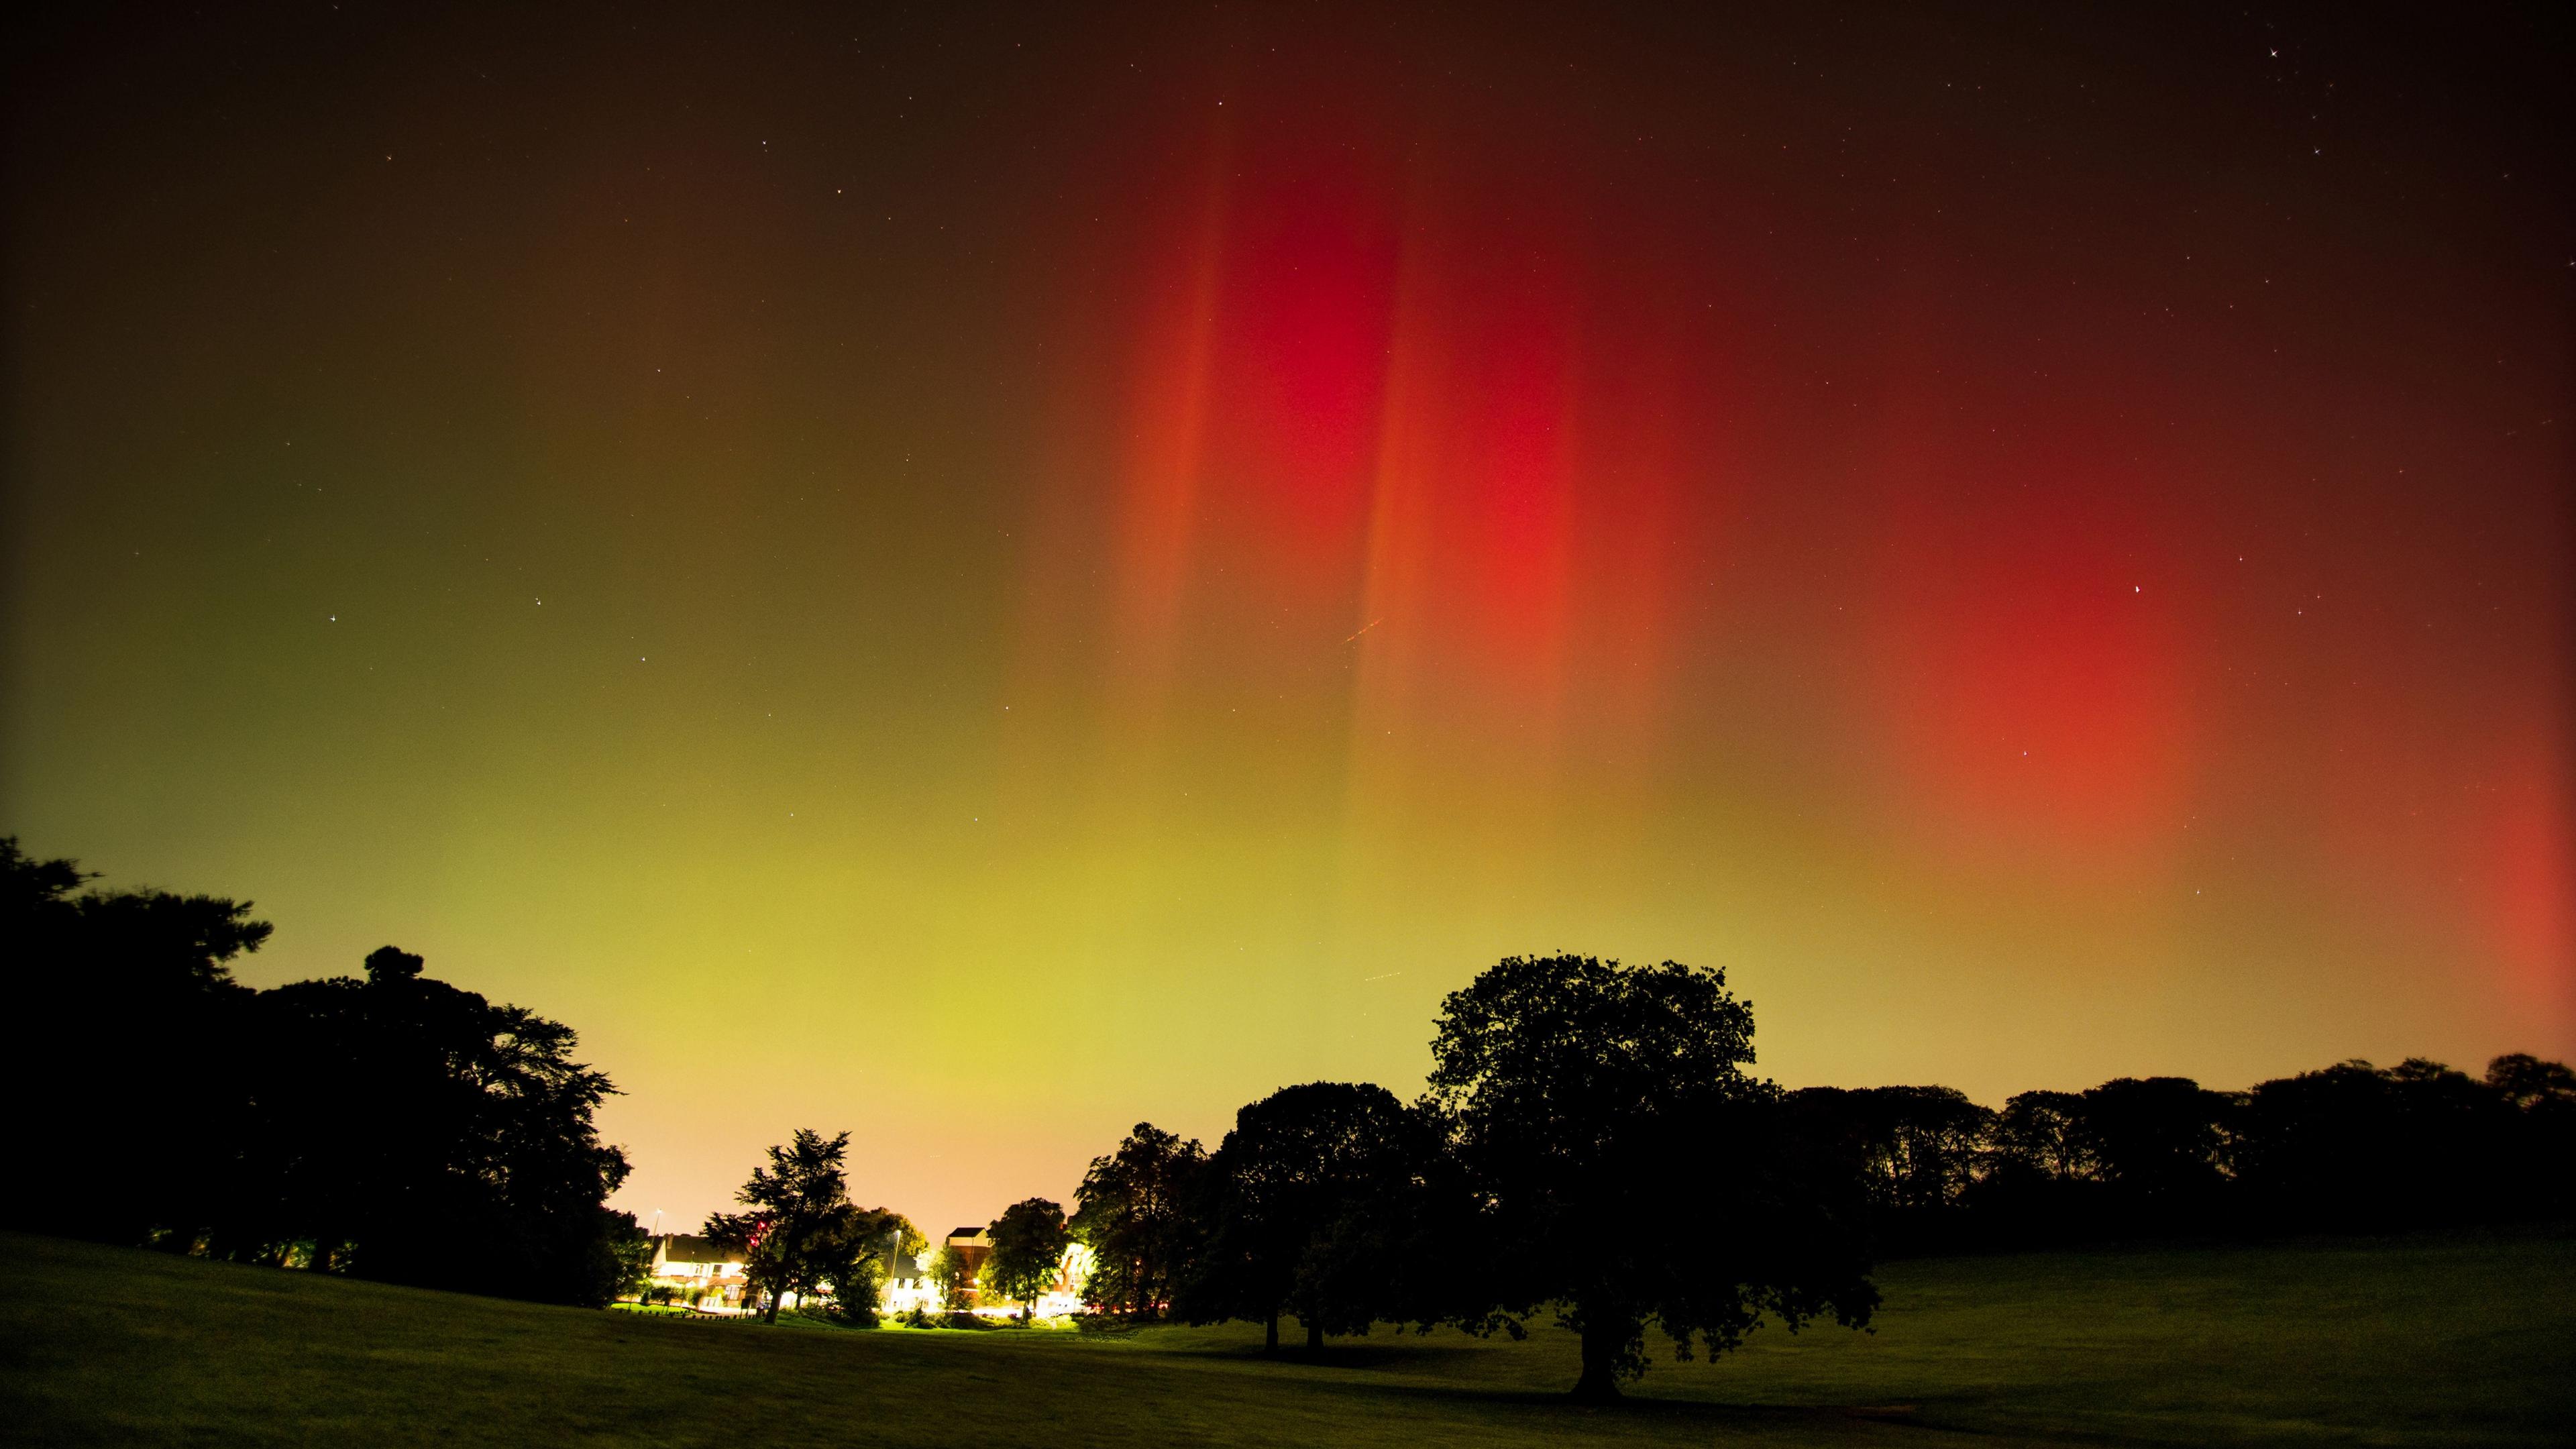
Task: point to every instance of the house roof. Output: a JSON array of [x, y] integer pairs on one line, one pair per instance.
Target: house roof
[[689, 1248]]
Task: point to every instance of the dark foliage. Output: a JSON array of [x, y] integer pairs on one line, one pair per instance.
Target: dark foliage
[[1133, 1211], [130, 1019], [2355, 1148], [2157, 1143], [414, 1132], [1029, 1240], [1916, 1150], [2349, 1148], [1311, 1207], [394, 1127], [804, 1236], [1591, 1143], [1633, 1173]]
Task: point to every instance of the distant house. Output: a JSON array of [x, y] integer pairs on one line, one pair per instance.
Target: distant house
[[1063, 1296], [908, 1288], [973, 1247], [696, 1272]]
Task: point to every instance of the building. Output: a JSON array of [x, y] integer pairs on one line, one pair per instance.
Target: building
[[696, 1273], [908, 1288], [1062, 1298], [972, 1247]]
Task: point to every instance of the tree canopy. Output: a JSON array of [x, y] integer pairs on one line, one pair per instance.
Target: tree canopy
[[408, 1114], [804, 1236], [136, 1054], [952, 1272], [1917, 1150], [1133, 1212], [1029, 1240], [1635, 1173], [394, 1127], [1309, 1204]]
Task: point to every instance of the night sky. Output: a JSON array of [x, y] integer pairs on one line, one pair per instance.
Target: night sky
[[978, 578]]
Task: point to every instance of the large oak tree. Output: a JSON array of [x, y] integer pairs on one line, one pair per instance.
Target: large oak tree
[[1632, 1172]]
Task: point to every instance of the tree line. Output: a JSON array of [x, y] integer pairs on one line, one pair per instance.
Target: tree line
[[389, 1125], [1591, 1147], [2349, 1148]]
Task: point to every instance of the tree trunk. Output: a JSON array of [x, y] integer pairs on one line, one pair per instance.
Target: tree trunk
[[1314, 1335], [1602, 1343], [774, 1296], [1270, 1334]]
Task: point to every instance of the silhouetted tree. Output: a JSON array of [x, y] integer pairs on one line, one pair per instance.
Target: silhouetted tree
[[1312, 1193], [397, 1127], [870, 1239], [1132, 1211], [2539, 1180], [2043, 1132], [2156, 1144], [407, 1130], [2529, 1084], [131, 1024], [1919, 1150], [30, 889], [1927, 1145], [2355, 1147], [2038, 1181], [1029, 1240], [803, 1235], [630, 1252], [950, 1274], [1635, 1172]]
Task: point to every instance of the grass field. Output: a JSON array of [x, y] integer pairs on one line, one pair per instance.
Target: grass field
[[2440, 1341]]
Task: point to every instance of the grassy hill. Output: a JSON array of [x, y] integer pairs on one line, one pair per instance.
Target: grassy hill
[[2444, 1341]]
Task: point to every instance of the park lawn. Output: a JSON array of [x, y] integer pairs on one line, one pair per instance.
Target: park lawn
[[2453, 1340]]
